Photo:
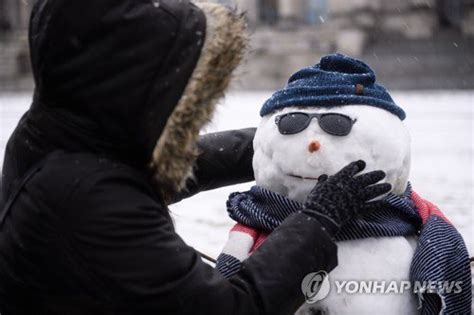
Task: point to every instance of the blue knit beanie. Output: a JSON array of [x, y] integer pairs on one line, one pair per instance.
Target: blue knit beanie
[[337, 80]]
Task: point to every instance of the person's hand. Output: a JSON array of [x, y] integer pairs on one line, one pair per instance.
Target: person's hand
[[338, 199]]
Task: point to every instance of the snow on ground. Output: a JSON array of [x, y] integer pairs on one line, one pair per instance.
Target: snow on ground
[[441, 125]]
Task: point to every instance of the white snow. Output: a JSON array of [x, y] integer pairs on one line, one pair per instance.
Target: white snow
[[441, 128]]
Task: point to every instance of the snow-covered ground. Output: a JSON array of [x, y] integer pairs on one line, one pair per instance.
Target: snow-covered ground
[[441, 125]]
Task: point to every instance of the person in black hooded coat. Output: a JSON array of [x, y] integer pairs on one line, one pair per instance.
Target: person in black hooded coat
[[122, 90]]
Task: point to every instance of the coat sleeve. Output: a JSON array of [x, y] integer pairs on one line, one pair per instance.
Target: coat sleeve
[[125, 241], [225, 159]]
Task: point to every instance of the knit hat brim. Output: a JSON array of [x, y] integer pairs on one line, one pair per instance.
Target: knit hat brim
[[327, 97]]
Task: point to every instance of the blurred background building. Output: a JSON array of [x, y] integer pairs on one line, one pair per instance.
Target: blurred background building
[[412, 44]]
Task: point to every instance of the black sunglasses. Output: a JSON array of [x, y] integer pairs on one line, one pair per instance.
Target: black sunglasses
[[333, 123]]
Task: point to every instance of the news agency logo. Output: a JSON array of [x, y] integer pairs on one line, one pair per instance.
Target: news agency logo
[[315, 286]]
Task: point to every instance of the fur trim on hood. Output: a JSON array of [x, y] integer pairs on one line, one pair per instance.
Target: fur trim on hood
[[224, 47]]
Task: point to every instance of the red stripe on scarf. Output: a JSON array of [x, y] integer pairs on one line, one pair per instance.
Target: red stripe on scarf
[[261, 238], [258, 236], [426, 208], [247, 230]]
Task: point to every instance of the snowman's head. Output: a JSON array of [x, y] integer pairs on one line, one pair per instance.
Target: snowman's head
[[297, 142], [290, 164]]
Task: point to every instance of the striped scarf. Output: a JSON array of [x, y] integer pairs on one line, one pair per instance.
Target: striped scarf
[[440, 256]]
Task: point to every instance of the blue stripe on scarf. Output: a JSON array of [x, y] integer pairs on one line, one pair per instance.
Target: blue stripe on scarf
[[265, 210], [441, 254], [228, 265]]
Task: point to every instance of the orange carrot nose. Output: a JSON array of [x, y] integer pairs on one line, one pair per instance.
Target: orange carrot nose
[[314, 146]]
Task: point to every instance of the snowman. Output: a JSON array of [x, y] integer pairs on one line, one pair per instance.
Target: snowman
[[328, 116]]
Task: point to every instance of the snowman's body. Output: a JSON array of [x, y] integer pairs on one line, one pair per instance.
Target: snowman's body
[[372, 260], [290, 165]]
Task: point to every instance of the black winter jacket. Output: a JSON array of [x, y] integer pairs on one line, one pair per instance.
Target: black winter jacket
[[122, 89]]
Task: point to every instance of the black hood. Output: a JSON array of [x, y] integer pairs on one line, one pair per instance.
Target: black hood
[[134, 80], [109, 73]]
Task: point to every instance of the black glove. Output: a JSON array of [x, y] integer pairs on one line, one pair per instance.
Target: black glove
[[342, 197]]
